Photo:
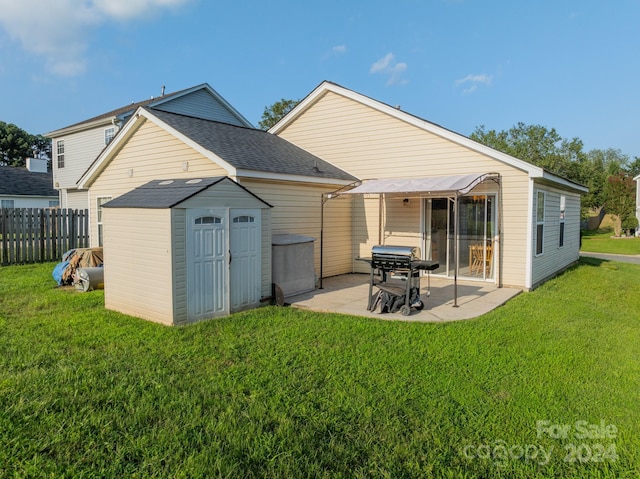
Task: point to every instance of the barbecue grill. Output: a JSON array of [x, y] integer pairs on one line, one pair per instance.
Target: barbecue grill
[[395, 272]]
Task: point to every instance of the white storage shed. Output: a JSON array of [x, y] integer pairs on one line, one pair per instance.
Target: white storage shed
[[182, 250]]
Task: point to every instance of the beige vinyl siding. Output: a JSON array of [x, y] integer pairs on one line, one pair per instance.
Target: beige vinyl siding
[[150, 154], [555, 258], [297, 210], [75, 199], [138, 282], [370, 144]]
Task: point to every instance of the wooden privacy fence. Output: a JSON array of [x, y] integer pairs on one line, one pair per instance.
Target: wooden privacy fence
[[33, 235]]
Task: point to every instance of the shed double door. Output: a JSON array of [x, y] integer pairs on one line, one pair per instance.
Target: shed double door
[[223, 261]]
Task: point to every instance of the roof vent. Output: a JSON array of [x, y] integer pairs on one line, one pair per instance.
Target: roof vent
[[194, 181], [165, 182]]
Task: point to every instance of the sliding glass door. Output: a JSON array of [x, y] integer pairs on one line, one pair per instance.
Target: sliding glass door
[[476, 232]]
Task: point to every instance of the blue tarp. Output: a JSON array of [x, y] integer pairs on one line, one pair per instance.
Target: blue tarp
[[58, 271]]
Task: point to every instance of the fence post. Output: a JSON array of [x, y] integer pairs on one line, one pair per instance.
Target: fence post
[[5, 238]]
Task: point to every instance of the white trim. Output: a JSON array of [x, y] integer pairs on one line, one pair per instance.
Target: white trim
[[323, 88], [562, 217], [528, 281], [99, 221], [544, 219], [115, 131]]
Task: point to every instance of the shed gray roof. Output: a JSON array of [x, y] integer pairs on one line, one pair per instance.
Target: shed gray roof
[[15, 181], [252, 149], [168, 193]]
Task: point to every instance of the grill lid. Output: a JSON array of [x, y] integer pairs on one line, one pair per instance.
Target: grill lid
[[412, 252]]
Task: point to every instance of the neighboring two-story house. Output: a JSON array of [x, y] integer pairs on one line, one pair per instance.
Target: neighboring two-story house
[[76, 147]]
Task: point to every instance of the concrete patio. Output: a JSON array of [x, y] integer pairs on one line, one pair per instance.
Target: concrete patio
[[348, 294]]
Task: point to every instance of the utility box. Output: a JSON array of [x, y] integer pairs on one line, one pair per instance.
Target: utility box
[[292, 263]]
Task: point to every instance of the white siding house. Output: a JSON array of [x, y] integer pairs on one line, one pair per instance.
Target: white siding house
[[76, 147], [30, 187]]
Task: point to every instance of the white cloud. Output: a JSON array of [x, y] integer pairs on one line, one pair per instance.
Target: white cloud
[[472, 82], [58, 30], [388, 66], [339, 49]]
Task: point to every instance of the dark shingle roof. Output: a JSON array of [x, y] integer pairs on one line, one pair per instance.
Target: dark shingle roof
[[167, 193], [16, 181], [252, 149]]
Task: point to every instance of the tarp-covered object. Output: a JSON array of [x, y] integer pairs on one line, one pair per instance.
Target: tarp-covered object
[[73, 259]]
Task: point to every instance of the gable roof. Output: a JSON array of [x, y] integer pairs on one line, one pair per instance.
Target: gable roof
[[16, 181], [127, 110], [326, 87], [168, 193], [247, 152]]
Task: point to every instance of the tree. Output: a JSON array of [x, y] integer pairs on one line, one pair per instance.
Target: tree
[[272, 114], [621, 201], [594, 170], [16, 145], [633, 168], [537, 145]]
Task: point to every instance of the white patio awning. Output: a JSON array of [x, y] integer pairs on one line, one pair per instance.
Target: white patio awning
[[435, 185]]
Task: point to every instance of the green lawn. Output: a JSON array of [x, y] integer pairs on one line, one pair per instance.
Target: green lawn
[[278, 392], [602, 241]]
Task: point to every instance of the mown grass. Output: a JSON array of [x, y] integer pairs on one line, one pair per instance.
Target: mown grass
[[602, 241], [278, 392]]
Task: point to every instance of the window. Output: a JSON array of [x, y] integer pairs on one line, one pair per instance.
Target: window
[[208, 220], [54, 203], [540, 224], [6, 203], [244, 219], [109, 133], [60, 153], [99, 202], [563, 204]]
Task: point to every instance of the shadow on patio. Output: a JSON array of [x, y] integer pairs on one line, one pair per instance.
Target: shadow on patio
[[348, 294]]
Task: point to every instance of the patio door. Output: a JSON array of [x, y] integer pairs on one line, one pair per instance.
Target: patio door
[[474, 243]]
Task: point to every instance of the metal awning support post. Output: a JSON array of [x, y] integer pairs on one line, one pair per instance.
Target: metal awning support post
[[455, 251]]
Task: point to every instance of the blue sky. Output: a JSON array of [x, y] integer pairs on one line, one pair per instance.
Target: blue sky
[[572, 65]]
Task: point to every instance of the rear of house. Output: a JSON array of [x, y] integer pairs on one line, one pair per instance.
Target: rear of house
[[527, 222]]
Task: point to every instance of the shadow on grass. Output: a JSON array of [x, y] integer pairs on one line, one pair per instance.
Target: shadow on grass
[[590, 261]]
